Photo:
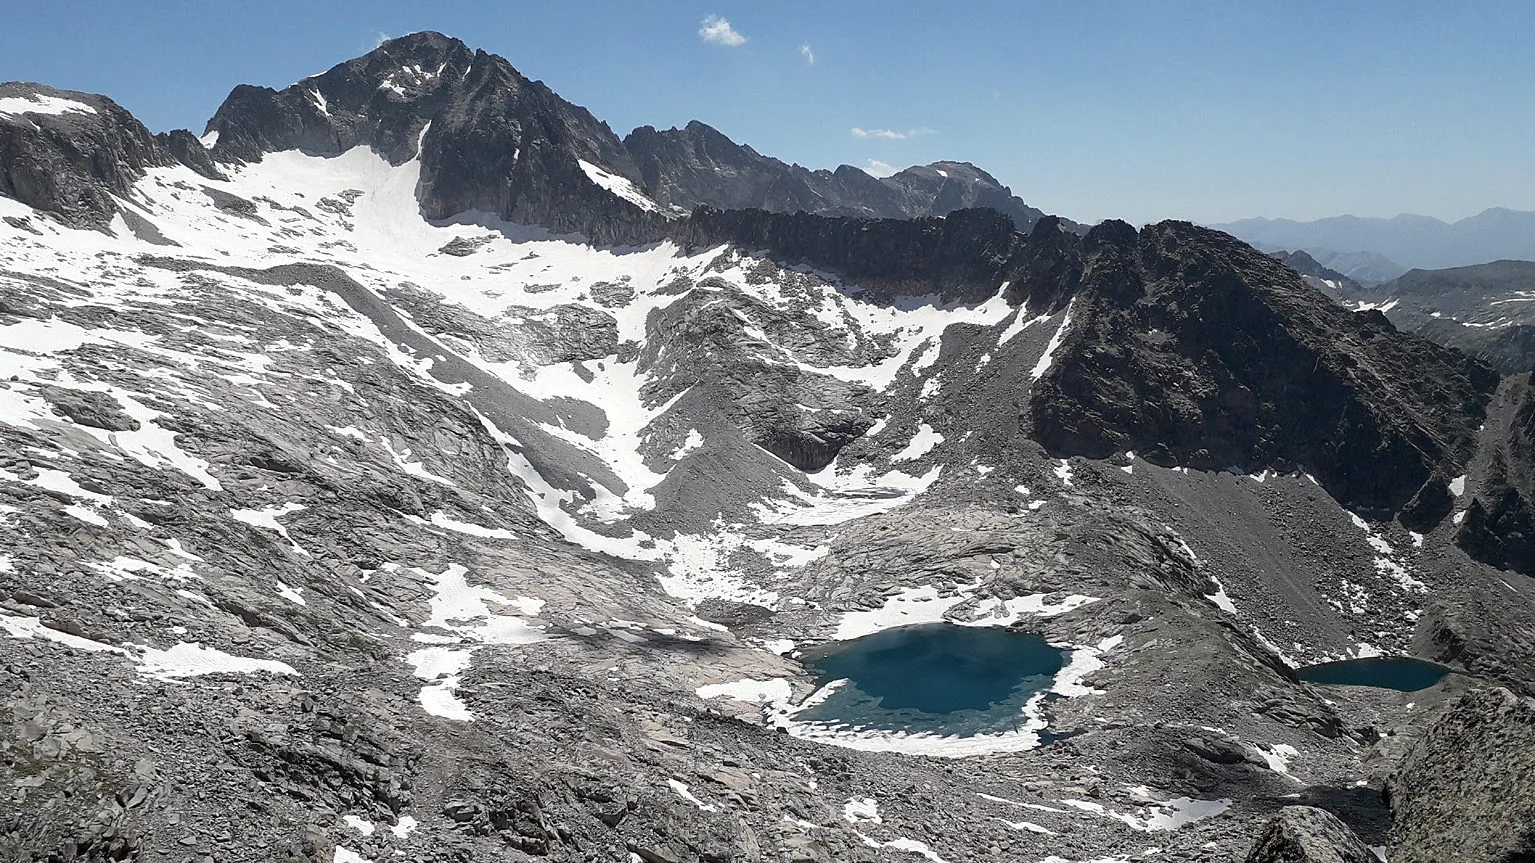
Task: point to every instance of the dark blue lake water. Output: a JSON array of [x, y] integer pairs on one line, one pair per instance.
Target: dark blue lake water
[[1400, 673], [938, 678]]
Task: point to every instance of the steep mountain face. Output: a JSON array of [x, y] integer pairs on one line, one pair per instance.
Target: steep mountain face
[[958, 259], [699, 166], [339, 525], [1499, 523], [1193, 349], [489, 140], [67, 154], [1409, 240]]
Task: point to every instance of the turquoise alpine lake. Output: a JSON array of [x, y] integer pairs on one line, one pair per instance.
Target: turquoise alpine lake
[[1400, 673], [937, 678]]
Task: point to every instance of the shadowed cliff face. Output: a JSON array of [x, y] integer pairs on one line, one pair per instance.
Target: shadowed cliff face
[[76, 151], [1190, 348], [1499, 526]]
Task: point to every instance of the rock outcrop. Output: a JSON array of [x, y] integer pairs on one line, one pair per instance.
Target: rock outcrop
[[1466, 792], [1306, 834]]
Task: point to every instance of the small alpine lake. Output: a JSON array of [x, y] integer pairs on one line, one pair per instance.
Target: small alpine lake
[[1401, 673], [932, 678]]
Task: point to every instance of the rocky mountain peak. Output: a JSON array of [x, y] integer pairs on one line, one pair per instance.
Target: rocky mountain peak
[[489, 139]]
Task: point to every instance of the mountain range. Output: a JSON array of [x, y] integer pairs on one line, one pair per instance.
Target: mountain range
[[407, 467], [1383, 249]]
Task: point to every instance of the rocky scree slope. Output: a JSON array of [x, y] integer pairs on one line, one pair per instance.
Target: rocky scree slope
[[466, 540]]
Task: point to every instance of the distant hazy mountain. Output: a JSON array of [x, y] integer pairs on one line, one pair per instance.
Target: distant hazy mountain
[[1408, 240], [1366, 268], [1329, 281]]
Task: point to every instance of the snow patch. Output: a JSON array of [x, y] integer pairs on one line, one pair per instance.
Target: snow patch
[[751, 691], [194, 660], [682, 791], [921, 444], [1055, 342], [37, 103], [619, 186], [860, 809]]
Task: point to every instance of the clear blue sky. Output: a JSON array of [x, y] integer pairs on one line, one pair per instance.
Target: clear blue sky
[[1139, 110]]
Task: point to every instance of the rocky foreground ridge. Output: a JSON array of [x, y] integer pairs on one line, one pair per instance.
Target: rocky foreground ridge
[[362, 499]]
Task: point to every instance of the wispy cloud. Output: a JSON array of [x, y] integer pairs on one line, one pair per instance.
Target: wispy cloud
[[808, 54], [880, 169], [381, 38], [892, 134], [718, 31]]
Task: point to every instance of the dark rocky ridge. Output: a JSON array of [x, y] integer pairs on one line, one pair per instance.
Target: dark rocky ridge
[[1187, 346], [699, 166], [502, 144], [1191, 348], [961, 258], [71, 164]]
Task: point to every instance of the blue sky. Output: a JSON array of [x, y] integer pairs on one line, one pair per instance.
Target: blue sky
[[1090, 108]]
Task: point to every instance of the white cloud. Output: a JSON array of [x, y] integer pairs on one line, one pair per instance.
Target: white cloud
[[892, 134], [382, 38], [718, 30], [808, 54], [880, 169]]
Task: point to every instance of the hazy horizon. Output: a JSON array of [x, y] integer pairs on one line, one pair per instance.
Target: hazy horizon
[[1184, 110]]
